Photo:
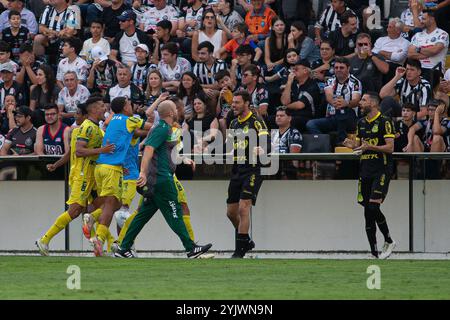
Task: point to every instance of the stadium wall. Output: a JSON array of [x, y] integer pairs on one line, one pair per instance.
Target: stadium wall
[[289, 215]]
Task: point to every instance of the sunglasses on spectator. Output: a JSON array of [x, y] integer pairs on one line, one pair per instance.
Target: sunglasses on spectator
[[248, 75], [363, 44], [210, 17]]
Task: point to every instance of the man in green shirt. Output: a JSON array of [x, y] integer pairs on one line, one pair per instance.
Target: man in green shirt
[[157, 186]]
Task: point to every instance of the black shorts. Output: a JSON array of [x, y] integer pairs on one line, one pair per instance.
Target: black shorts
[[373, 188], [244, 186]]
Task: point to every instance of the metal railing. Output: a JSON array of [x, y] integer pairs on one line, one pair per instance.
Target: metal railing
[[410, 157]]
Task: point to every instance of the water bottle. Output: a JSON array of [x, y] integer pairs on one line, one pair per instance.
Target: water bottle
[[373, 13]]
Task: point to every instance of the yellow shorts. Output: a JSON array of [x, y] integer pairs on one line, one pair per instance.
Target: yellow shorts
[[128, 192], [180, 190], [109, 180], [80, 191]]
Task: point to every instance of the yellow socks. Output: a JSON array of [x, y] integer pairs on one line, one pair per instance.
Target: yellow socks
[[96, 214], [187, 222], [61, 222], [102, 232]]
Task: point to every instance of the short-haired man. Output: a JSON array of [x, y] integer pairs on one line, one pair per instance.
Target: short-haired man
[[161, 37], [244, 58], [429, 46], [87, 149], [375, 142], [246, 177], [410, 86], [342, 93], [259, 20], [124, 88], [286, 139], [57, 22], [403, 125], [258, 93], [109, 168], [172, 67], [301, 95], [393, 47], [330, 20], [20, 140], [161, 11], [156, 184], [343, 40], [427, 135], [368, 67], [52, 138], [70, 96], [207, 67], [125, 42], [72, 62]]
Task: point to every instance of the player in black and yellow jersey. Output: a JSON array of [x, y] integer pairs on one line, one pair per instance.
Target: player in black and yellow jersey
[[246, 177], [375, 141]]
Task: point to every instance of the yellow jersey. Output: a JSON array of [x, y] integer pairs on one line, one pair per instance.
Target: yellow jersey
[[91, 133]]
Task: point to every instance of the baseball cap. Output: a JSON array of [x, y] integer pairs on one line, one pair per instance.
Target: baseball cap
[[97, 52], [22, 110], [127, 15], [143, 47], [7, 66], [303, 62]]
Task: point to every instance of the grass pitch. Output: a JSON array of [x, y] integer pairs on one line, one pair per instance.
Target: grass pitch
[[107, 278]]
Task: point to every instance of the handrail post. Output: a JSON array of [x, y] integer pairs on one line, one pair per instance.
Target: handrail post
[[411, 203], [66, 206]]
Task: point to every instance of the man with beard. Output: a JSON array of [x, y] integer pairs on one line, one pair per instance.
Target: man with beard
[[375, 142]]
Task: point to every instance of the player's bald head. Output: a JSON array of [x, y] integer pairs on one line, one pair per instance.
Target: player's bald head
[[165, 108]]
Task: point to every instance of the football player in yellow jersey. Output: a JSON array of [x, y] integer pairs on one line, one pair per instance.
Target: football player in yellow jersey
[[179, 187], [87, 149]]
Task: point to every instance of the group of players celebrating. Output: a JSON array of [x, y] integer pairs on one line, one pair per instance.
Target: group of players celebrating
[[104, 174]]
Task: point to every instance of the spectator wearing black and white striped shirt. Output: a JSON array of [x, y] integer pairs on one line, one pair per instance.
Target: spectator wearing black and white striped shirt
[[330, 20], [57, 21], [343, 93], [207, 67], [410, 86]]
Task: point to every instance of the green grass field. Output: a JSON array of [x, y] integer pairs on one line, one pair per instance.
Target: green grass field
[[106, 278]]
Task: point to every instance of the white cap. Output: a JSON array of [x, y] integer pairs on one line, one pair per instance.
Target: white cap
[[7, 66], [98, 52], [143, 47]]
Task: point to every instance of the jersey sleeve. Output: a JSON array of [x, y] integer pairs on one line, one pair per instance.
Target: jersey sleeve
[[85, 133], [134, 123], [157, 137]]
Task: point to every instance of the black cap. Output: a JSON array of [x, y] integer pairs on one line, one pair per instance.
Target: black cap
[[23, 110], [433, 103], [303, 62], [127, 15]]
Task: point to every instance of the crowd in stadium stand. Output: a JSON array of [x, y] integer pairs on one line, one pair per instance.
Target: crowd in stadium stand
[[306, 71]]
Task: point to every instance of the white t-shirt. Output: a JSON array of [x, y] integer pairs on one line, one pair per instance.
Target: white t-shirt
[[117, 91], [127, 47], [152, 16], [425, 40], [88, 45], [69, 102], [216, 39], [78, 65], [398, 47], [174, 74]]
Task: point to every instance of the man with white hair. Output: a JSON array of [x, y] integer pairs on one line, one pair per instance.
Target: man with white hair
[[393, 47]]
